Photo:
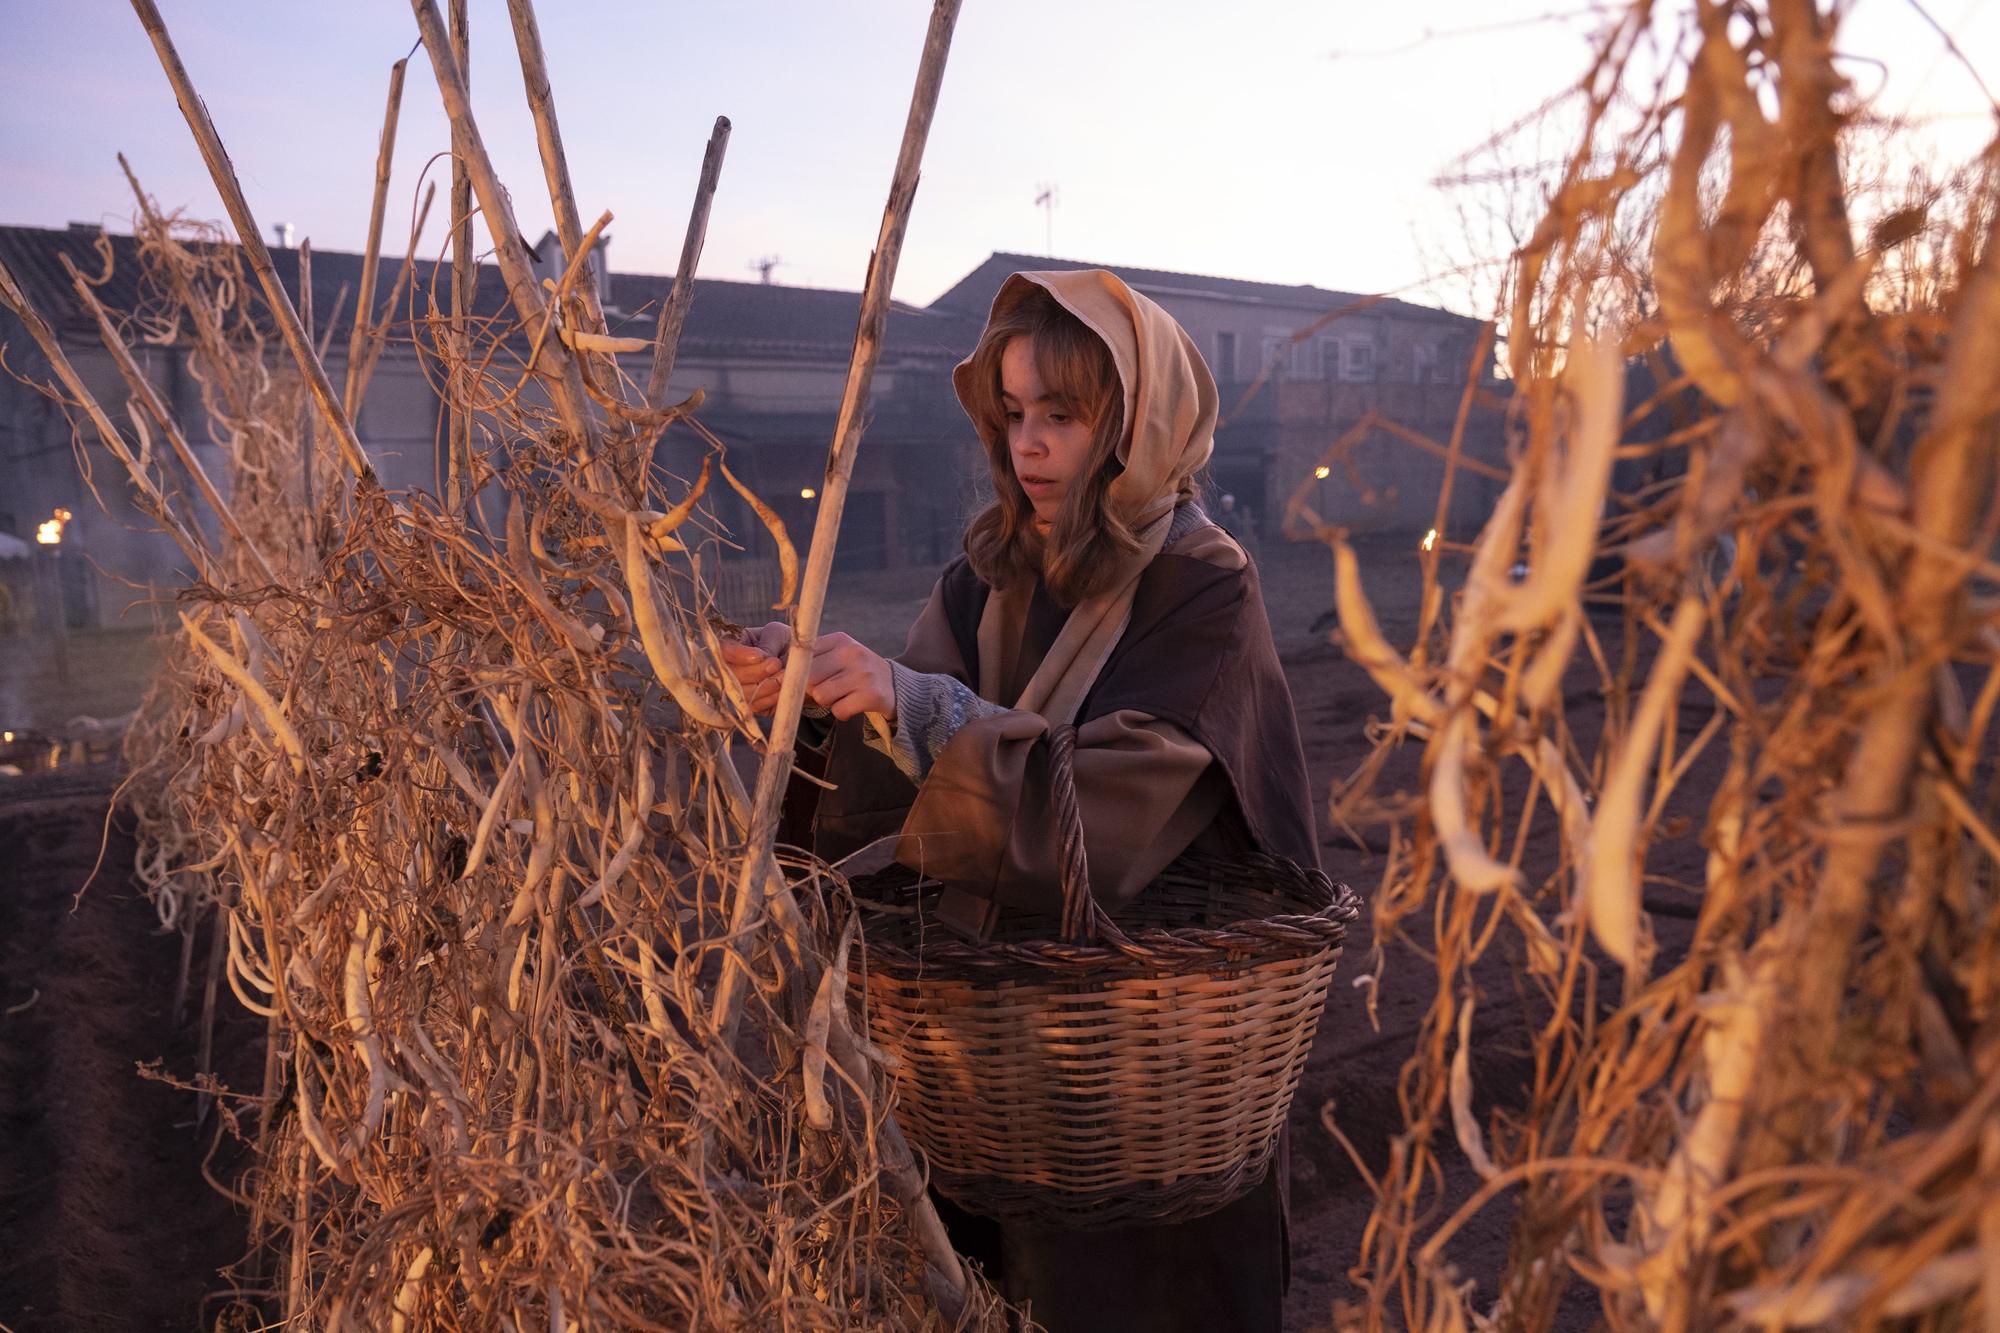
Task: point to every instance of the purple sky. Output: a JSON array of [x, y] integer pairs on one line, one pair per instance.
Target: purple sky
[[1283, 141]]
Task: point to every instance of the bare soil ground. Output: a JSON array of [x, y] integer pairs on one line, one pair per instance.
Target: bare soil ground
[[106, 1220]]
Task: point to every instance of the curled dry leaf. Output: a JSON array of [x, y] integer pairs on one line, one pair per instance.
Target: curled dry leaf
[[788, 558], [603, 342]]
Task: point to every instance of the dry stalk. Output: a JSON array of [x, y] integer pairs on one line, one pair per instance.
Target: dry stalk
[[460, 815], [1781, 1117]]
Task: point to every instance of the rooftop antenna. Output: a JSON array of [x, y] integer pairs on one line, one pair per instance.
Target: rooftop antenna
[[1047, 201], [764, 267]]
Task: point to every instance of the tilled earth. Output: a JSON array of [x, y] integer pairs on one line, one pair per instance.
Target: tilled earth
[[106, 1219], [108, 1222]]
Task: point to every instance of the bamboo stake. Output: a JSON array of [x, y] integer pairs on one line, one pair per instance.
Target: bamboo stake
[[464, 274], [673, 315], [773, 774], [155, 502], [760, 868], [378, 326], [308, 441], [332, 323], [205, 1056], [364, 303], [305, 289], [149, 398], [548, 138], [254, 250], [553, 360]]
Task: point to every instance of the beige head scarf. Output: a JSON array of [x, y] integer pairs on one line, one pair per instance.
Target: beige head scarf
[[1170, 411]]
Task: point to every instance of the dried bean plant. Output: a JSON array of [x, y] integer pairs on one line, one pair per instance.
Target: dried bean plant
[[1769, 563], [452, 784]]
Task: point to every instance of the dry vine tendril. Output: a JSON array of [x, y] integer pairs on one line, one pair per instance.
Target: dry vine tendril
[[446, 784], [1791, 1123]]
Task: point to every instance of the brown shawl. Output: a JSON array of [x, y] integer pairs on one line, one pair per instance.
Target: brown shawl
[[1187, 733]]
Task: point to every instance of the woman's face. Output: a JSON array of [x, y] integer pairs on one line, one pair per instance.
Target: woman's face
[[1048, 445]]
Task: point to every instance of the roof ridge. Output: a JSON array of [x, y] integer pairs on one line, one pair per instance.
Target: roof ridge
[[1185, 273]]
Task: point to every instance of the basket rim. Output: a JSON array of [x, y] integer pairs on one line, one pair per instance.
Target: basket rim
[[1153, 948]]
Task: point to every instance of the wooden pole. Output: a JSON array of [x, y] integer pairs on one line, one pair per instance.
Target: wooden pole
[[378, 328], [305, 301], [364, 304], [464, 275], [308, 440], [673, 315], [553, 360], [760, 869], [252, 240], [548, 138]]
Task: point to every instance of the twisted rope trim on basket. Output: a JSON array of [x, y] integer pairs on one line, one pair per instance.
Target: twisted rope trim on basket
[[1241, 943]]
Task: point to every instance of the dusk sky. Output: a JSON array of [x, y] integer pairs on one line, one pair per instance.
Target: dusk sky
[[1288, 142]]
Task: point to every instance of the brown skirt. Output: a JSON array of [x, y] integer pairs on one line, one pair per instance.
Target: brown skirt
[[1223, 1271]]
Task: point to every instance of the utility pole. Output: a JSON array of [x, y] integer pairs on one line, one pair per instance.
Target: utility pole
[[1047, 201], [764, 266]]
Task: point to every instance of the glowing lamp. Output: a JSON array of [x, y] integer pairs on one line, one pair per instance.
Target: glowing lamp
[[1322, 472], [807, 493], [1431, 539]]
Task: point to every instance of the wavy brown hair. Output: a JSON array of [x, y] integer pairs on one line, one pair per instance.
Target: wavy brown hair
[[1080, 552]]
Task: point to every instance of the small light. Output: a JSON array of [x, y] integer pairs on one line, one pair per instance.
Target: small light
[[1431, 539], [6, 737], [1322, 472], [51, 530], [808, 493]]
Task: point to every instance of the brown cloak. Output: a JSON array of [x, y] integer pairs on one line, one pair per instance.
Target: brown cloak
[[1187, 733], [1185, 736]]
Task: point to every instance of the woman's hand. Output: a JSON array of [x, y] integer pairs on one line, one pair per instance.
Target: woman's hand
[[757, 660], [851, 679]]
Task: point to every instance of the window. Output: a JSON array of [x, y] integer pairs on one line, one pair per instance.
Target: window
[[1277, 353], [1329, 358], [1448, 361], [1225, 356], [1424, 363], [1360, 361]]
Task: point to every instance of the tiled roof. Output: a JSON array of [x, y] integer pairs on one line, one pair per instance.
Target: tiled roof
[[737, 318], [742, 318], [35, 256], [743, 315], [973, 293]]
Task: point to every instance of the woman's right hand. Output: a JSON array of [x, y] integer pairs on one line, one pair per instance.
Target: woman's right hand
[[757, 660]]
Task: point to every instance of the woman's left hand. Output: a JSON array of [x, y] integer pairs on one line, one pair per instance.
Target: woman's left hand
[[851, 679]]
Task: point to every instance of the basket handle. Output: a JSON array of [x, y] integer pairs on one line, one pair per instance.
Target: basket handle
[[1083, 921]]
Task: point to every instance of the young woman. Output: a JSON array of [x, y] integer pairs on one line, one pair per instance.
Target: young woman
[[1093, 591]]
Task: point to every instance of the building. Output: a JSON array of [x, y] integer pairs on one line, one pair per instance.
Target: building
[[1296, 367], [771, 361]]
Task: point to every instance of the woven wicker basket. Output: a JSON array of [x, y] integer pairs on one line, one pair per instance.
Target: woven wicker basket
[[1090, 1073]]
